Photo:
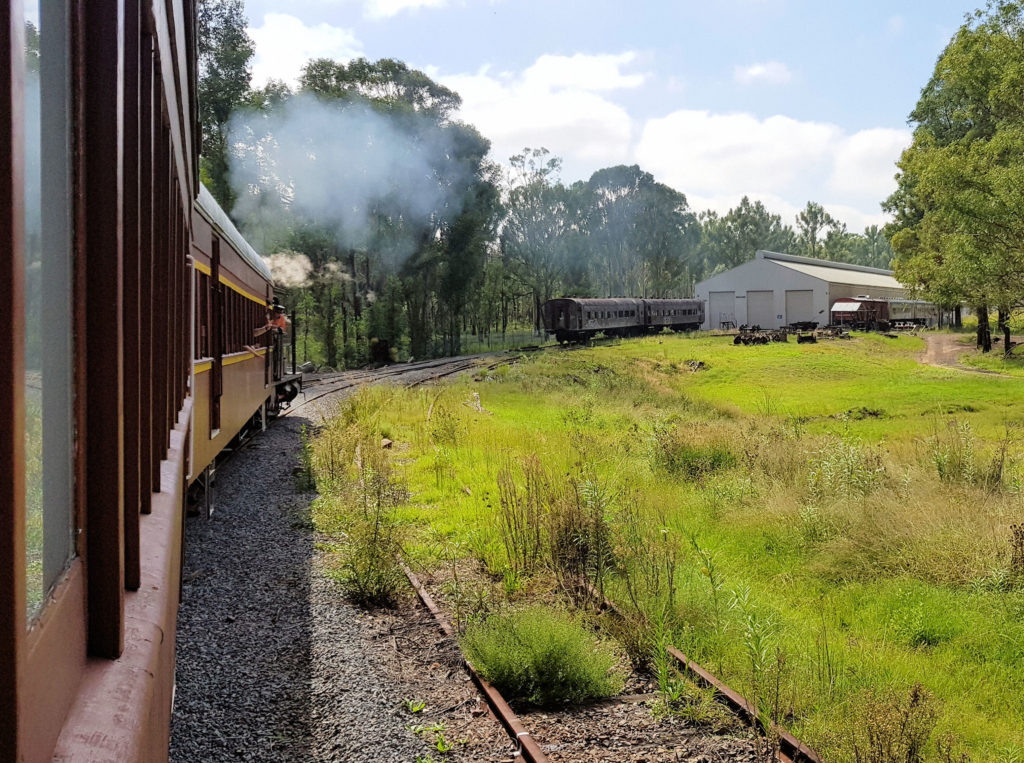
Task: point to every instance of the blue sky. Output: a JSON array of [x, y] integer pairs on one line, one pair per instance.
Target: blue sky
[[782, 100]]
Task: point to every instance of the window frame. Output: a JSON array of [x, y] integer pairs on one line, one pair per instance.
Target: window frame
[[45, 659]]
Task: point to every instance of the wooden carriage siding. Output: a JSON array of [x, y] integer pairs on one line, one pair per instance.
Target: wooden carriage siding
[[91, 676]]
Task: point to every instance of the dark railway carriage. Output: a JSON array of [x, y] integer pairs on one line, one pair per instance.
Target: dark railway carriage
[[572, 319], [675, 314], [117, 286]]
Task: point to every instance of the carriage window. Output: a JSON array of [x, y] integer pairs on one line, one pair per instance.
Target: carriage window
[[48, 352]]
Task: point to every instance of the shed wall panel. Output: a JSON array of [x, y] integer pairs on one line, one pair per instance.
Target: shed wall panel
[[721, 308], [799, 305], [761, 308]]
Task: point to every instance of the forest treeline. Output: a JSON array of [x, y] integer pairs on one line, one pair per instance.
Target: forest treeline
[[395, 230]]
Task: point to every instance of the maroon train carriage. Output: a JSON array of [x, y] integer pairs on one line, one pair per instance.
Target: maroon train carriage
[[861, 313], [572, 319], [132, 306], [238, 373], [675, 314]]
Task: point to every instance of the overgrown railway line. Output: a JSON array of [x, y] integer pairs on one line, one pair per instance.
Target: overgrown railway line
[[324, 389]]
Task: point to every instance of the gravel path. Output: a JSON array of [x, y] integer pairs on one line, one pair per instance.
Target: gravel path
[[271, 663]]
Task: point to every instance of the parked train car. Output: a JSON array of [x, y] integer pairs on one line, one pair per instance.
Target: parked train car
[[571, 319], [862, 313], [675, 314], [130, 359]]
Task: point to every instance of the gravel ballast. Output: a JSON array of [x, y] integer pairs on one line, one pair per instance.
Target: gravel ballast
[[272, 663]]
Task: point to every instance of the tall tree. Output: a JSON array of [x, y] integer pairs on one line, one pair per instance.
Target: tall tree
[[957, 230], [732, 239], [813, 222], [225, 51], [536, 226]]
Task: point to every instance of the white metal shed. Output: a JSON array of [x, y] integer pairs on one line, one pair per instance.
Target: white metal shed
[[774, 290]]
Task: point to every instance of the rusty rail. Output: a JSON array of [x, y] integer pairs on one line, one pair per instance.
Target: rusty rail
[[791, 749], [526, 747]]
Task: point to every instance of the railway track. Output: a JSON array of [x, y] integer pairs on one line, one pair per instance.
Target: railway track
[[424, 372], [316, 387]]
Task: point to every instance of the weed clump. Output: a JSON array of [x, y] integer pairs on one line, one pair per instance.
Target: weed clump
[[890, 728], [680, 454], [543, 656], [1017, 552], [369, 571], [845, 468]]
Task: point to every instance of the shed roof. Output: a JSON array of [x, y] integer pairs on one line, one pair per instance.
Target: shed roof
[[834, 272], [846, 307]]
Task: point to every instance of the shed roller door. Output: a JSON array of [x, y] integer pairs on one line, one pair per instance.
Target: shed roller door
[[721, 307], [799, 306], [761, 309]]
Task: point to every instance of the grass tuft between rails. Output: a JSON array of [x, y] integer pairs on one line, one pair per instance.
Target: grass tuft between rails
[[542, 655], [829, 527]]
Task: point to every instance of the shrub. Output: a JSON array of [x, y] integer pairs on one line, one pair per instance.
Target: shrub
[[954, 455], [845, 468], [1017, 552], [543, 656], [890, 728], [681, 454], [580, 540], [522, 505], [369, 570]]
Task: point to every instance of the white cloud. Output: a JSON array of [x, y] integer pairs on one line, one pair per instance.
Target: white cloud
[[384, 9], [284, 44], [864, 162], [767, 72], [716, 159], [557, 103], [894, 26], [719, 153], [583, 72]]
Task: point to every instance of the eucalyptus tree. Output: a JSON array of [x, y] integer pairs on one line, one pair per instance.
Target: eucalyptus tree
[[225, 52], [731, 239], [957, 228], [537, 225], [812, 223]]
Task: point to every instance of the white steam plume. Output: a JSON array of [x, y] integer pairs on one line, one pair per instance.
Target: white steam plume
[[336, 163], [289, 269]]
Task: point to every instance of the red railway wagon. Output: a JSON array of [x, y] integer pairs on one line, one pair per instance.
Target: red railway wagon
[[119, 283]]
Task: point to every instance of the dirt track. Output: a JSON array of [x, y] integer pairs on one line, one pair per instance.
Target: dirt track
[[944, 351]]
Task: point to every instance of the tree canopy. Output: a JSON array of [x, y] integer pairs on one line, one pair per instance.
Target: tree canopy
[[957, 229]]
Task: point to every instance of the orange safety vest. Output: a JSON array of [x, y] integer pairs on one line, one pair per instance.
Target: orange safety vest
[[279, 321]]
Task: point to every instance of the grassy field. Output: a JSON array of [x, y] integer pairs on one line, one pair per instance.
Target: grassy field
[[826, 526]]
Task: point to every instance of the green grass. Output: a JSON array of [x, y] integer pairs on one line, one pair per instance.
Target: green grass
[[994, 361], [543, 656], [33, 504], [816, 545]]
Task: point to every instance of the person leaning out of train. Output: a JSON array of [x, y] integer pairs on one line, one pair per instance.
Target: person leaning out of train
[[276, 319]]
